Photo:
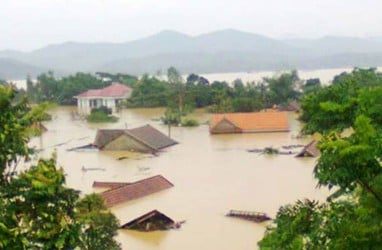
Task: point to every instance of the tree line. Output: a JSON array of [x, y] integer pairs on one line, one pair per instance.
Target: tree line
[[193, 92]]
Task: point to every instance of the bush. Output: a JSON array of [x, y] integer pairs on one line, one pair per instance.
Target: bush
[[189, 122], [103, 109], [101, 114]]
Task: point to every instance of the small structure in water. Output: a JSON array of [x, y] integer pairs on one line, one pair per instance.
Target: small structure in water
[[258, 122], [291, 106], [271, 151], [152, 221], [310, 150], [120, 192], [249, 215], [145, 139]]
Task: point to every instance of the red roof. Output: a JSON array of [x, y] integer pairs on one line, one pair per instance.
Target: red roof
[[114, 90], [135, 190]]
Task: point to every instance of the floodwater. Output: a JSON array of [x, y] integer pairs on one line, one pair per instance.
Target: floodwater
[[211, 175]]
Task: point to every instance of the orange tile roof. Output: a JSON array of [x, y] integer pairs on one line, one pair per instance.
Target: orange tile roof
[[251, 122], [135, 190]]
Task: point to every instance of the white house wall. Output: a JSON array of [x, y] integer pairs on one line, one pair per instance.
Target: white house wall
[[83, 104]]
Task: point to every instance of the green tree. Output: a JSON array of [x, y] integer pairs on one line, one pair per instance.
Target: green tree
[[335, 107], [283, 87], [150, 92], [172, 117], [98, 225], [198, 91], [16, 118], [349, 162], [311, 85], [178, 86], [37, 211], [62, 90]]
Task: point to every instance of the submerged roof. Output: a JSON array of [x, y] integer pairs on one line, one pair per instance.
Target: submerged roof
[[114, 90], [110, 185], [271, 121], [147, 135], [104, 136], [152, 137], [309, 150], [249, 215], [153, 220], [135, 190]]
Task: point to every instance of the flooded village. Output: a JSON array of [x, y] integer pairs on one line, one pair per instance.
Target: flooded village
[[190, 125], [223, 180], [201, 178]]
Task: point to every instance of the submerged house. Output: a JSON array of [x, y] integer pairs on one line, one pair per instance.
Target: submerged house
[[310, 150], [258, 122], [124, 192], [110, 97], [145, 139], [151, 221]]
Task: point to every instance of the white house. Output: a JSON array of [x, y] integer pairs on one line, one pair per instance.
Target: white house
[[109, 97]]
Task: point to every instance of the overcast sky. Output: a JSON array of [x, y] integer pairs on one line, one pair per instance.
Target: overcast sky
[[32, 24]]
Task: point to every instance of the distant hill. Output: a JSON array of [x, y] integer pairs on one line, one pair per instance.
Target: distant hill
[[13, 69], [220, 51]]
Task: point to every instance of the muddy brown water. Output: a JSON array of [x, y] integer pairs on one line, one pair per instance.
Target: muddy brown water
[[211, 175]]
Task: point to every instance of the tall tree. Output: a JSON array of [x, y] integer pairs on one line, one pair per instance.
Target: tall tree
[[16, 118], [175, 79], [283, 87]]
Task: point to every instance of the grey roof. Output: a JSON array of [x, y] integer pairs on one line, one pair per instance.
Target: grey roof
[[153, 220], [147, 135], [309, 150], [152, 137], [104, 136]]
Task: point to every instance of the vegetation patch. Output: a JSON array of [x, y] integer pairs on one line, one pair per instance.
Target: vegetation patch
[[102, 114], [189, 122]]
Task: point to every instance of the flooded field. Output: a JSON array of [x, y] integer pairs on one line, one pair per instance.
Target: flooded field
[[211, 175]]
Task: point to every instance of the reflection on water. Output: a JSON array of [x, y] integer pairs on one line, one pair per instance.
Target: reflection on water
[[211, 175]]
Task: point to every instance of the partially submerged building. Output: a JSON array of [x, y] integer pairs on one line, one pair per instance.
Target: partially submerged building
[[310, 150], [249, 215], [124, 192], [270, 121], [151, 221], [144, 139], [109, 97]]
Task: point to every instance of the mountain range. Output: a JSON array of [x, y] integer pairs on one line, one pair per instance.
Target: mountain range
[[220, 51]]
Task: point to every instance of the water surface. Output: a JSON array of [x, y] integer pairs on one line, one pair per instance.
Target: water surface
[[211, 175]]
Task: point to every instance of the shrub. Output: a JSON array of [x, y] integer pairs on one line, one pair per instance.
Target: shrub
[[189, 122], [101, 114], [103, 109]]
